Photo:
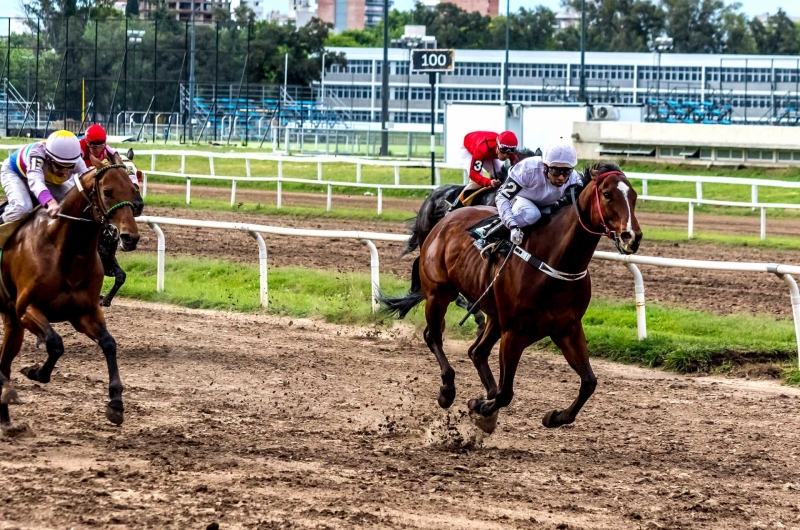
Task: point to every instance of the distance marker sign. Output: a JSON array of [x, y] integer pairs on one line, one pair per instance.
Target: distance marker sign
[[432, 60]]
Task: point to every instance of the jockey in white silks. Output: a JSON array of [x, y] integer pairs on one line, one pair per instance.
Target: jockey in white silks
[[44, 169], [534, 185]]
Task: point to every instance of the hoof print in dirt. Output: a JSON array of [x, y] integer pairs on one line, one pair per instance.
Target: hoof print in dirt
[[22, 430]]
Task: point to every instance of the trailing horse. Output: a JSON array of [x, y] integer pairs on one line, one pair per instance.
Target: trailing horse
[[540, 289], [51, 272]]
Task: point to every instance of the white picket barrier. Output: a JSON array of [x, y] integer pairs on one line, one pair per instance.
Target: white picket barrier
[[784, 272]]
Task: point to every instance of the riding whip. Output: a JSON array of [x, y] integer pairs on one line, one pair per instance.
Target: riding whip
[[474, 306]]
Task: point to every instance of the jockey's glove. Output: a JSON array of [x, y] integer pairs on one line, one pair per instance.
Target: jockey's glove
[[516, 235]]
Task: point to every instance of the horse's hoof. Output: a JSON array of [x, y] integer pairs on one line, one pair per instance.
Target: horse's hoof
[[9, 396], [104, 302], [16, 431], [114, 412], [487, 424], [32, 373], [446, 396], [552, 419]]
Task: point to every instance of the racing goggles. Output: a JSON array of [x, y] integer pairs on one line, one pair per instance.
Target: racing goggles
[[57, 166], [95, 145], [507, 148], [560, 171]]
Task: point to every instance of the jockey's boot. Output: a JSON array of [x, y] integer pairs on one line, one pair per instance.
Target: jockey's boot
[[491, 235]]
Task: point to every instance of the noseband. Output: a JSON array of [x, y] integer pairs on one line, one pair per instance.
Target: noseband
[[100, 214], [612, 235]]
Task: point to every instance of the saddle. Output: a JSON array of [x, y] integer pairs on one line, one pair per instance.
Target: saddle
[[491, 237], [468, 197]]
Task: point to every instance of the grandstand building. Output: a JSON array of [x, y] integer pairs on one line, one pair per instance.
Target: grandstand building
[[685, 88]]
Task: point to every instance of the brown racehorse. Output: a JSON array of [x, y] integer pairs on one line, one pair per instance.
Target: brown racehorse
[[51, 272], [524, 305]]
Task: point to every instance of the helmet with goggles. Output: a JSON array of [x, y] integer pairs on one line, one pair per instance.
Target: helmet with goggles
[[560, 154], [507, 142], [63, 148]]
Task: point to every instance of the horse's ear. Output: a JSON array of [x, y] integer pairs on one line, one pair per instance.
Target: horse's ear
[[95, 162], [117, 158]]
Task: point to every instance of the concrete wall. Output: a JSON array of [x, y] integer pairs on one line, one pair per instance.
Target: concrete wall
[[589, 135]]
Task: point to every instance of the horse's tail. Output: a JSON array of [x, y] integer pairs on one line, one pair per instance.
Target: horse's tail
[[401, 305], [432, 211]]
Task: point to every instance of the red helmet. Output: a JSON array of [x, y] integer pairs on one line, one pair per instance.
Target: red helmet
[[507, 142], [95, 134]]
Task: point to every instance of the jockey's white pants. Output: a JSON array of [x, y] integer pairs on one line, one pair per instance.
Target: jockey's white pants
[[19, 195], [525, 211]]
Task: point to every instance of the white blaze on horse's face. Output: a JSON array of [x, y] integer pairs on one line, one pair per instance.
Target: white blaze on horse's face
[[624, 188]]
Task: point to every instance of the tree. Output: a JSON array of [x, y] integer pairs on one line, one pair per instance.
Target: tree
[[737, 34], [132, 8], [243, 15], [780, 36], [695, 25]]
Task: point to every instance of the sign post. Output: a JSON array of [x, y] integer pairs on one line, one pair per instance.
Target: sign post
[[433, 62]]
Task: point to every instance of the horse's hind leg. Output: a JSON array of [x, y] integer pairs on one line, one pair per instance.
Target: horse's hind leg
[[479, 353], [93, 326], [111, 268], [435, 310], [34, 321], [572, 343], [12, 342]]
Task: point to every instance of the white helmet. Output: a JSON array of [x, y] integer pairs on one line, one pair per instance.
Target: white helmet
[[63, 147], [560, 154]]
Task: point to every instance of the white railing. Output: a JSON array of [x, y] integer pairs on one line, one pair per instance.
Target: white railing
[[783, 272]]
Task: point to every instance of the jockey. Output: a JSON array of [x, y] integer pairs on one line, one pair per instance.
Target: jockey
[[94, 143], [487, 151], [534, 185], [44, 169]]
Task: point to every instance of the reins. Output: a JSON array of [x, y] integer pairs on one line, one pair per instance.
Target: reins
[[612, 235], [98, 210]]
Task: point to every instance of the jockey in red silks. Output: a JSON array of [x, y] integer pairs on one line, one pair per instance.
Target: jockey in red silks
[[94, 143], [485, 151]]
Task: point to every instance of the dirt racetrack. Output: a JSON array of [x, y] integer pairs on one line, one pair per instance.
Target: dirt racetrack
[[719, 292], [261, 422]]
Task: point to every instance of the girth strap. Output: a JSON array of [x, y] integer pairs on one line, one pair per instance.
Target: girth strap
[[547, 269]]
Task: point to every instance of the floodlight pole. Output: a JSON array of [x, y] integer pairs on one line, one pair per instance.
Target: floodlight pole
[[505, 65], [582, 89], [385, 83]]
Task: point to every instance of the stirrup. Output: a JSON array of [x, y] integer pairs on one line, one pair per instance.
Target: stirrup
[[491, 248]]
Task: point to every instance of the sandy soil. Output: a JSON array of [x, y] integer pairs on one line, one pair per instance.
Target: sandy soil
[[272, 423], [720, 292]]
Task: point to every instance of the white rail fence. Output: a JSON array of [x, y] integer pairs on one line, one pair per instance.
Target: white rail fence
[[358, 163], [783, 272]]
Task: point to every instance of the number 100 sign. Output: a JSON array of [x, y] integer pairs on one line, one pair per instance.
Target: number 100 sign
[[432, 60]]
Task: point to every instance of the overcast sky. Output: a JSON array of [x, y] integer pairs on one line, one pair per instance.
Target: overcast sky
[[10, 8]]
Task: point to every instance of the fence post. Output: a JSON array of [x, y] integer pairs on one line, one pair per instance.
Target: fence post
[[358, 172], [754, 195], [247, 166], [183, 163], [438, 177], [644, 187], [638, 287], [262, 268], [152, 162], [280, 168], [699, 187], [188, 190], [160, 249], [211, 164], [396, 175], [233, 192], [409, 145], [375, 270], [144, 185], [328, 204], [279, 194], [380, 201], [763, 224], [795, 296], [691, 220], [319, 170]]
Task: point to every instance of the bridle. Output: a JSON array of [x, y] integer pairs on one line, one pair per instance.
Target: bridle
[[612, 235], [99, 213]]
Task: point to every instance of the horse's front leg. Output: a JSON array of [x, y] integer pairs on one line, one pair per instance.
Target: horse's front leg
[[572, 343], [34, 321], [93, 325], [111, 268]]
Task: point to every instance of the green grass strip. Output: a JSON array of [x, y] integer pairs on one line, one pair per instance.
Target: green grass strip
[[678, 339]]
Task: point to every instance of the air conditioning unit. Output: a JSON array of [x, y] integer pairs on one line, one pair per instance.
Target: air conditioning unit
[[605, 113]]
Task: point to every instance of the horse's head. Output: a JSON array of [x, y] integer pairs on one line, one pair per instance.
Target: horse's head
[[612, 205], [117, 199]]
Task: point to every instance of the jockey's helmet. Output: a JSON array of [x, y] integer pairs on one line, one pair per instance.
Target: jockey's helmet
[[95, 134], [507, 142], [63, 147], [560, 154]]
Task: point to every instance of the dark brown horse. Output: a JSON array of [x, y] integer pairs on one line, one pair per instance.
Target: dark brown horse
[[51, 272], [524, 304]]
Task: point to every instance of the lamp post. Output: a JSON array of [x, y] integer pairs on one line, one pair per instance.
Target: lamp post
[[582, 90], [385, 83], [505, 64], [661, 45], [410, 42]]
